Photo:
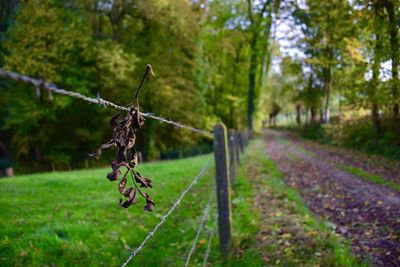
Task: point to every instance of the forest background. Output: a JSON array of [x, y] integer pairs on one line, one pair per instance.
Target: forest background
[[331, 65]]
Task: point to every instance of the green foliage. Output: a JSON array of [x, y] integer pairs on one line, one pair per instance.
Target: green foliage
[[212, 61], [313, 131], [357, 134], [54, 48], [221, 64], [97, 49], [361, 135]]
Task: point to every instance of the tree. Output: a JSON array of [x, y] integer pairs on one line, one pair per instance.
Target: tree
[[325, 26], [392, 8], [59, 49], [260, 18]]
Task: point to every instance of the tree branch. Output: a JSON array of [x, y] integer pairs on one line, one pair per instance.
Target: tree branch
[[249, 6]]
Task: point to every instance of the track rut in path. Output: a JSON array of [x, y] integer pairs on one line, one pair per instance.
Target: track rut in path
[[365, 213]]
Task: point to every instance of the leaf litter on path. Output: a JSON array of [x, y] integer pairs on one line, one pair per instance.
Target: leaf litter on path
[[365, 213]]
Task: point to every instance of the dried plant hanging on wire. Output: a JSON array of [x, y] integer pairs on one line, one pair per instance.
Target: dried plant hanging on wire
[[124, 126]]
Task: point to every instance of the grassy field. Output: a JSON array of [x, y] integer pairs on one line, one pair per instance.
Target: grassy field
[[72, 218]]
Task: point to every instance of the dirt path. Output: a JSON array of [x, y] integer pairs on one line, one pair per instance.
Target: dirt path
[[383, 167], [365, 213]]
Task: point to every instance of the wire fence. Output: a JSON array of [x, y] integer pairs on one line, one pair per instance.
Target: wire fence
[[221, 154], [209, 243], [38, 83], [199, 229], [141, 246]]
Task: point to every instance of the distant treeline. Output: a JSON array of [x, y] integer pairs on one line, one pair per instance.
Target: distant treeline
[[214, 61]]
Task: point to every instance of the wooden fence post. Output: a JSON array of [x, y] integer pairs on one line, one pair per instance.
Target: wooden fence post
[[231, 136], [223, 187], [241, 141], [250, 134], [237, 152]]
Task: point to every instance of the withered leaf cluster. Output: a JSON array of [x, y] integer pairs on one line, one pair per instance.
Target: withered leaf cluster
[[124, 128]]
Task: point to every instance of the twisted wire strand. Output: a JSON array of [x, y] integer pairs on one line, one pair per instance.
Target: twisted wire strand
[[199, 229], [98, 100], [140, 247], [208, 247]]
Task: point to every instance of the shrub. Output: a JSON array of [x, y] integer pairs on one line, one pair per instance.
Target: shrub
[[361, 135], [313, 131]]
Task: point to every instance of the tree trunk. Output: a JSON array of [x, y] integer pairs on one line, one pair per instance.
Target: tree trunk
[[375, 119], [306, 118], [38, 154], [116, 16], [394, 54], [6, 9], [313, 114], [266, 58], [95, 23], [321, 116], [252, 84], [298, 115], [234, 85], [327, 87]]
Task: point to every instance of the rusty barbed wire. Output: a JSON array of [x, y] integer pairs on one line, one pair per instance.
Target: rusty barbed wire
[[39, 83]]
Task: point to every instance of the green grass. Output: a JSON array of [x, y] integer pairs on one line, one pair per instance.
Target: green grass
[[371, 177], [245, 220], [293, 235], [73, 218], [306, 152], [356, 171]]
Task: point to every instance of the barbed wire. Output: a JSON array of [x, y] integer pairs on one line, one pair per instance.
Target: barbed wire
[[179, 125], [140, 247], [208, 247], [39, 83], [199, 229]]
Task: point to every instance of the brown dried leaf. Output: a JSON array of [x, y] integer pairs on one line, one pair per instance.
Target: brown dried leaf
[[130, 199], [101, 148], [137, 119], [124, 139], [121, 154], [113, 121], [149, 205], [143, 181], [133, 160]]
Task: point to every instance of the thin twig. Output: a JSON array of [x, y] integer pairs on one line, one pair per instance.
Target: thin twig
[[148, 69]]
